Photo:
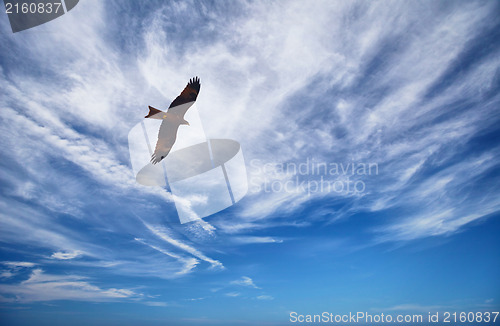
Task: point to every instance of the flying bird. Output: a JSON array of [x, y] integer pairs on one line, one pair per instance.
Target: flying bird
[[172, 119]]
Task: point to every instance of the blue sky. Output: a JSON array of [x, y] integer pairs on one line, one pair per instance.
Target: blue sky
[[412, 87]]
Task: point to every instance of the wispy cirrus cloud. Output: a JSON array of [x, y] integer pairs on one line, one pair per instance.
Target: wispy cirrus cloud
[[162, 233], [17, 264], [382, 108], [66, 255], [189, 262], [49, 287], [245, 281], [256, 240], [13, 268]]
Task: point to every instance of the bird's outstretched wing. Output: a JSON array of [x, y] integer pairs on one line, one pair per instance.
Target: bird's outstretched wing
[[166, 139], [175, 113], [188, 95]]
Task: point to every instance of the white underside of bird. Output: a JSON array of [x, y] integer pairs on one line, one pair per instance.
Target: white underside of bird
[[168, 130]]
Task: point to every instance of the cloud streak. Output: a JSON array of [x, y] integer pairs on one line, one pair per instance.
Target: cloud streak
[[162, 233], [245, 281], [49, 287]]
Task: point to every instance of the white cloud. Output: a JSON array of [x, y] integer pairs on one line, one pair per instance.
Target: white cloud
[[439, 216], [19, 264], [162, 233], [255, 239], [6, 274], [189, 263], [49, 287], [156, 304], [399, 131], [13, 268], [245, 281], [18, 220], [265, 297], [196, 299], [66, 255], [415, 308]]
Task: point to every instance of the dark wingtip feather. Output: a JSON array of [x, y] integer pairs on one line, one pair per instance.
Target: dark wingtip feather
[[154, 159], [195, 81]]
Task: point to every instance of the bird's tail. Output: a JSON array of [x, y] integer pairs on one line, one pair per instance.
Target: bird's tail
[[152, 112]]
